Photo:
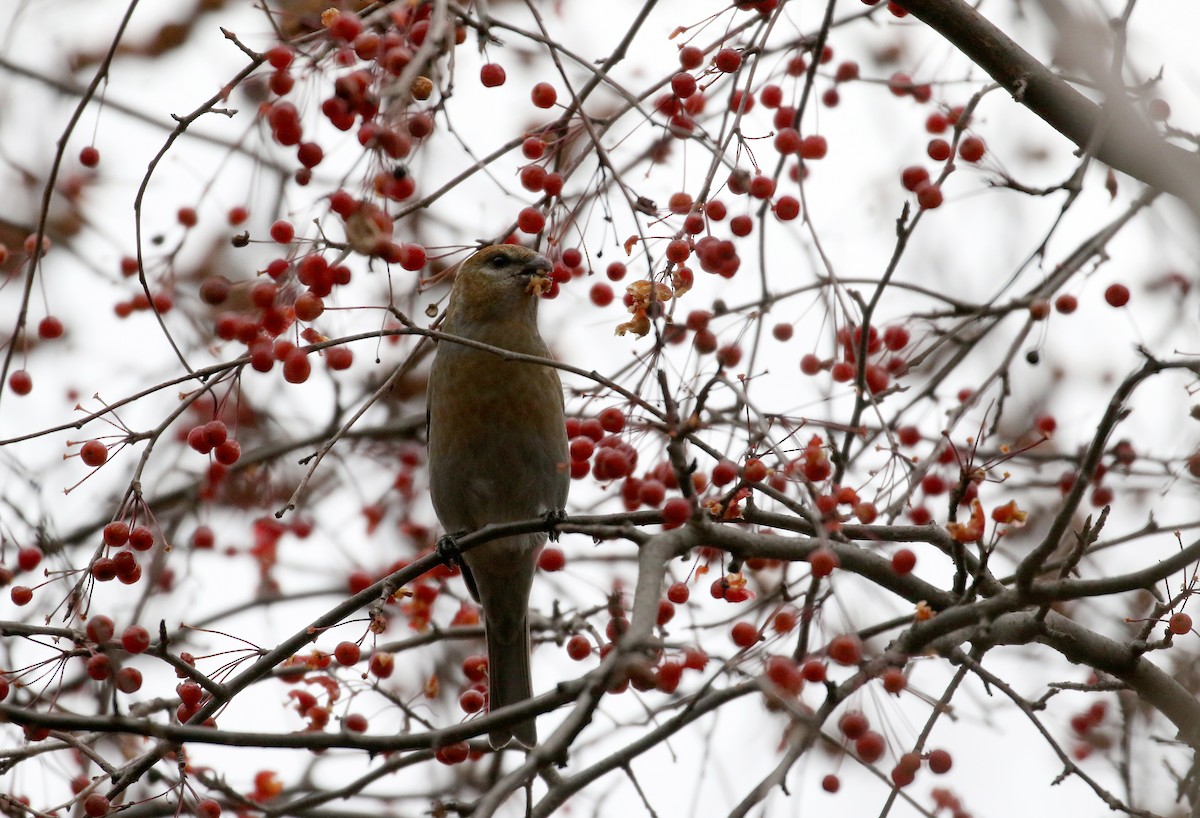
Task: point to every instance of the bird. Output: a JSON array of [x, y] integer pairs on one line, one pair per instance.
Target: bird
[[498, 452]]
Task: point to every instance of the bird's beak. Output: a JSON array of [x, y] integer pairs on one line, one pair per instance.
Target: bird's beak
[[538, 270]]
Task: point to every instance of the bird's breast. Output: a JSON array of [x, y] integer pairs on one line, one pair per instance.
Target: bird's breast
[[497, 439]]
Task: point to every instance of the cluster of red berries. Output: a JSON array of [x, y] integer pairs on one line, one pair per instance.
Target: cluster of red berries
[[276, 310], [101, 663], [122, 540], [870, 746], [916, 178], [596, 448], [1084, 726], [884, 349], [1102, 494], [161, 301], [381, 51]]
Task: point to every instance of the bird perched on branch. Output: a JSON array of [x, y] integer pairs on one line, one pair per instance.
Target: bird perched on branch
[[498, 451]]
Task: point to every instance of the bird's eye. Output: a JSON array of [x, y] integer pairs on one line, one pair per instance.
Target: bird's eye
[[499, 261]]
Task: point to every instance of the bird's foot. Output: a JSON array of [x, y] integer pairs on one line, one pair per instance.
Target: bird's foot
[[447, 548], [554, 518]]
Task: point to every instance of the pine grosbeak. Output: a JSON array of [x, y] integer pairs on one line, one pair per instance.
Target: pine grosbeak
[[498, 452]]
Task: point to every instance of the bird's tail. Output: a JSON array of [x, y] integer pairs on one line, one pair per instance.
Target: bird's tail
[[509, 679]]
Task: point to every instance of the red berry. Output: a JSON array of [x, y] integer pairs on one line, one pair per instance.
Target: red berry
[[813, 147], [347, 654], [20, 382], [810, 364], [683, 85], [813, 671], [471, 701], [116, 534], [676, 512], [50, 328], [552, 559], [346, 26], [784, 674], [382, 665], [906, 768], [870, 746], [894, 680], [100, 629], [190, 693], [903, 561], [533, 178], [895, 338], [678, 593], [724, 473], [1117, 295], [280, 57], [492, 75], [296, 366], [900, 84], [203, 538], [21, 595], [845, 649], [578, 647], [308, 307], [141, 538], [678, 251], [743, 634], [93, 453], [475, 667], [788, 141], [715, 210], [453, 753], [207, 808], [652, 492], [1179, 623], [727, 60], [612, 419], [601, 294], [691, 57], [842, 372], [971, 149], [755, 471], [128, 680], [938, 150], [543, 95], [831, 783], [135, 639], [913, 176], [823, 562], [929, 197], [230, 451], [96, 805], [187, 216], [853, 724], [282, 232], [309, 154], [940, 762], [89, 157], [530, 220]]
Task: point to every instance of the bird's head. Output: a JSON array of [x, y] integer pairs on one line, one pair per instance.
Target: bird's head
[[499, 282]]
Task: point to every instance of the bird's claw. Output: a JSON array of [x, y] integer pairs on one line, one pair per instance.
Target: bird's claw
[[553, 518], [447, 548]]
